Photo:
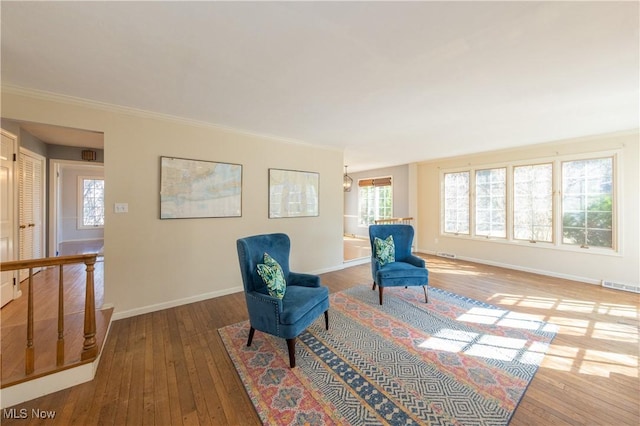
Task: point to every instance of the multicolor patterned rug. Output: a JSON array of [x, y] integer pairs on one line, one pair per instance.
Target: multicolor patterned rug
[[452, 361]]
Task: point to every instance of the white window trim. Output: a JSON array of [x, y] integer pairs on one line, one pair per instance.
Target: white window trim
[[80, 202], [442, 193], [507, 189], [511, 202], [557, 243], [358, 188]]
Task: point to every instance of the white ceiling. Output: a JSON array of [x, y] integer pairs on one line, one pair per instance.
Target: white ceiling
[[388, 82], [58, 135]]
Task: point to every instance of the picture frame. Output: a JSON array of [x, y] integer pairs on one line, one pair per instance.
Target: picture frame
[[199, 189], [293, 193]]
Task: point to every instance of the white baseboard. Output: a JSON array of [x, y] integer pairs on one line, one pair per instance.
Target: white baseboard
[[178, 302], [26, 391], [345, 264], [522, 268], [81, 240], [45, 385], [173, 303], [354, 262]]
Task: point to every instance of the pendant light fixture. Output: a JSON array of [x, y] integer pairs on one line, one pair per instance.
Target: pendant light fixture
[[347, 181]]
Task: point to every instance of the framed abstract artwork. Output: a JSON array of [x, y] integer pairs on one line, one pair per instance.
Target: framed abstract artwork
[[293, 193], [199, 189]]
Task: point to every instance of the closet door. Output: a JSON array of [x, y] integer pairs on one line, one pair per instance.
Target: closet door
[[8, 219], [31, 207]]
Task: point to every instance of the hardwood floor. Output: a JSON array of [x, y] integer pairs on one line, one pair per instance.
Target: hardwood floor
[[13, 324], [81, 247], [356, 248], [170, 367]]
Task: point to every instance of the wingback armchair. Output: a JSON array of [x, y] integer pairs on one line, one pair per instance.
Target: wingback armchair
[[304, 297], [401, 268]]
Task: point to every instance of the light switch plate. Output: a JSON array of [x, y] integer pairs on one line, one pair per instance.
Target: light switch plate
[[121, 208]]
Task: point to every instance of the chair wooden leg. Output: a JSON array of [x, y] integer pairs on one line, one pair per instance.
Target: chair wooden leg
[[291, 345], [251, 331], [426, 298], [380, 290], [374, 286], [326, 319]]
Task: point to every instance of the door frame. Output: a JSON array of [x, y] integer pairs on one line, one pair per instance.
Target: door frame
[[55, 191], [13, 250]]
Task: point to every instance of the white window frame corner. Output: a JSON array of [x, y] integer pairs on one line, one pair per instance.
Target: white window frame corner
[[80, 202]]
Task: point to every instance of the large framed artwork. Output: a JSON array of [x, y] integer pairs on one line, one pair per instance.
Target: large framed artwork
[[197, 189], [293, 193]]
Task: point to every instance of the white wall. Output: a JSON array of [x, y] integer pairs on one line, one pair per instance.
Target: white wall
[[152, 263], [623, 267]]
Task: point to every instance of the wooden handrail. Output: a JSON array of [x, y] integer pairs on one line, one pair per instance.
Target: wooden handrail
[[89, 348], [394, 220], [14, 265]]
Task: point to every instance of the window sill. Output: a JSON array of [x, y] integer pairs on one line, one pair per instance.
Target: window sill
[[538, 245]]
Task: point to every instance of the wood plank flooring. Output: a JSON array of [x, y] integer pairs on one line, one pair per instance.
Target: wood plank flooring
[[13, 322], [356, 248], [170, 367]]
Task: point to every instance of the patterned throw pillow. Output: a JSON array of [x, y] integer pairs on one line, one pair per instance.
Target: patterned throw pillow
[[273, 277], [385, 250]]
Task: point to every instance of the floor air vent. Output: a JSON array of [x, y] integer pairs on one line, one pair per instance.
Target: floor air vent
[[447, 255], [618, 286]]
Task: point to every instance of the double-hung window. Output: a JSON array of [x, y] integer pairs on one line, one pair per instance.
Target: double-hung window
[[533, 203], [90, 202], [375, 200], [491, 197], [456, 203], [563, 202], [587, 202]]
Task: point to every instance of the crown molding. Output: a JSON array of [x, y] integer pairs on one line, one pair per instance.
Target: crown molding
[[118, 109]]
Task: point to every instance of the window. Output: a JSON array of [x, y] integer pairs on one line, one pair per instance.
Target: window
[[587, 202], [566, 203], [533, 202], [491, 195], [91, 202], [456, 203], [375, 200]]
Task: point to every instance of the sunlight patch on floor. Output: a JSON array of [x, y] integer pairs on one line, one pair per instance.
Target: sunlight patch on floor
[[561, 358], [505, 318], [486, 346], [567, 305], [622, 327], [601, 363], [438, 269]]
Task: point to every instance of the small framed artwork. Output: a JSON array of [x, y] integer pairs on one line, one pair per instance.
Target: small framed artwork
[[293, 193], [199, 189]]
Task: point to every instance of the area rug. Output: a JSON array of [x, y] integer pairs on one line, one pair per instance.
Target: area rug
[[453, 361]]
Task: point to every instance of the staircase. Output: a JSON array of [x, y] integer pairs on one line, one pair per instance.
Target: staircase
[[51, 336]]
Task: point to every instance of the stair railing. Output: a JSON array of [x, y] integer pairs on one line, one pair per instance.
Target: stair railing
[[394, 221], [89, 348]]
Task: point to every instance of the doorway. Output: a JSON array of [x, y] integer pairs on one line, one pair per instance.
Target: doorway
[[8, 217], [69, 234], [40, 146]]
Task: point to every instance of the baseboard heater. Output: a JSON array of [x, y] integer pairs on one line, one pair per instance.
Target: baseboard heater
[[618, 286], [447, 255]]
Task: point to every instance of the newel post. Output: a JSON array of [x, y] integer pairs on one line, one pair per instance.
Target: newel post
[[89, 349]]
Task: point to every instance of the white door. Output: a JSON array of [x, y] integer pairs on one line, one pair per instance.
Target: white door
[[7, 214], [31, 207]]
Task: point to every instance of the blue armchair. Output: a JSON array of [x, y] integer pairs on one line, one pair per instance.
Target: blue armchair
[[304, 298], [406, 269]]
